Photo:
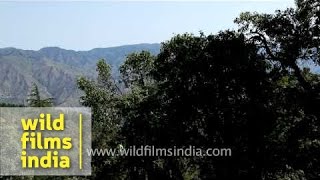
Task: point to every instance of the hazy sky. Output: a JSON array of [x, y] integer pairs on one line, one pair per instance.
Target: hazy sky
[[87, 25]]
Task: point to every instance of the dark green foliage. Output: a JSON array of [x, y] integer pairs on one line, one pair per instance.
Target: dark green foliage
[[206, 91], [241, 90], [10, 105], [287, 38]]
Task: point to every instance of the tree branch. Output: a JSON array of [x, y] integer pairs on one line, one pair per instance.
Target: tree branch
[[285, 62]]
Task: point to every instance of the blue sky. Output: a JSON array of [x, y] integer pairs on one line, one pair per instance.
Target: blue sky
[[87, 25]]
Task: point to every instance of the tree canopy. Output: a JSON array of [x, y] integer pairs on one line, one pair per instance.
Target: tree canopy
[[243, 90]]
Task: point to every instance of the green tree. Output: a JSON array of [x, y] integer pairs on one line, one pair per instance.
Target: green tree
[[136, 69], [288, 36], [211, 89], [103, 96], [286, 39], [244, 90], [205, 91], [34, 99]]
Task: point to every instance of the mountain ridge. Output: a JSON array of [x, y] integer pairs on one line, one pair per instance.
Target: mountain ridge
[[55, 70], [109, 47]]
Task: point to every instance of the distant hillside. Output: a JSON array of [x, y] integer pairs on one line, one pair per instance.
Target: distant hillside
[[55, 70]]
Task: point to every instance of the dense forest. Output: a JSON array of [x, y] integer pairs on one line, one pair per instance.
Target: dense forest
[[244, 89]]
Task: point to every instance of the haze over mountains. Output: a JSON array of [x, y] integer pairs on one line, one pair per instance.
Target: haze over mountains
[[55, 70]]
